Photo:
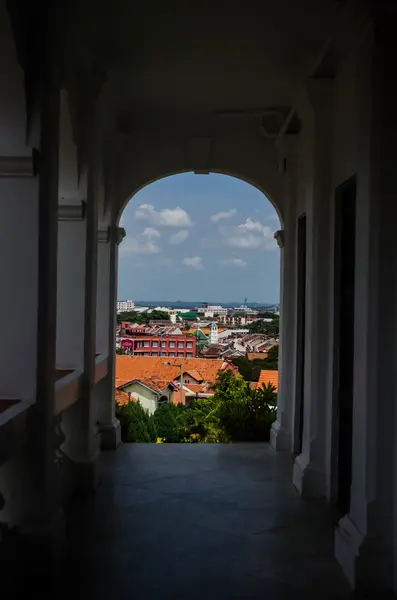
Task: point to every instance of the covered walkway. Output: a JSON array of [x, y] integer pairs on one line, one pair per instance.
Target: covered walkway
[[200, 521], [296, 97]]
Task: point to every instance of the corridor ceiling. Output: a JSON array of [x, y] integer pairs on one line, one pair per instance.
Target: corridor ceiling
[[171, 60]]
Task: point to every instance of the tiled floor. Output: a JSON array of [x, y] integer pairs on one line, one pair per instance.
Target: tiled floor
[[199, 522]]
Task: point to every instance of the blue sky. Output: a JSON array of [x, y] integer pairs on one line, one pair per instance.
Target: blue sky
[[199, 238]]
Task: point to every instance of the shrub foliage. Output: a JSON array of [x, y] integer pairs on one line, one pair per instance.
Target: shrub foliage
[[236, 412]]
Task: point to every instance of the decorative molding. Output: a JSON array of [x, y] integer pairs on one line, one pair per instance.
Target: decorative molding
[[18, 166], [120, 234], [199, 154], [71, 212], [279, 237], [103, 235]]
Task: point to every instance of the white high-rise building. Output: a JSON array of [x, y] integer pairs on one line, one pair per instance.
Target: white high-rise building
[[125, 305]]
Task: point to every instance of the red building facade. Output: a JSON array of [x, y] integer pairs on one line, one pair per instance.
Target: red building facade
[[174, 346]]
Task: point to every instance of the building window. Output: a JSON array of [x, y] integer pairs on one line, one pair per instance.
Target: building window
[[163, 344], [172, 344], [189, 344], [181, 344], [146, 354], [171, 354], [180, 354], [155, 353], [146, 344], [162, 400], [155, 344], [189, 355]]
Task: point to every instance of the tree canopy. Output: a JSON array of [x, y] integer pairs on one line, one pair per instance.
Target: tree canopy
[[266, 327], [142, 318]]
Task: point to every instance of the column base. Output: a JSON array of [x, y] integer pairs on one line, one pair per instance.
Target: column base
[[366, 563], [110, 435], [280, 438], [308, 481]]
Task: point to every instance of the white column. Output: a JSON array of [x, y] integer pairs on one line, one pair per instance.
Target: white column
[[281, 434], [365, 542], [107, 294], [309, 474], [82, 439]]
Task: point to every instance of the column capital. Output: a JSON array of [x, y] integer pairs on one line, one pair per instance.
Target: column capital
[[279, 237], [120, 233], [18, 166], [103, 235], [72, 212]]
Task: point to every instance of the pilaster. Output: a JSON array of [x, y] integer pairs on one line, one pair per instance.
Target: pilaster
[[309, 474], [107, 296], [71, 284], [365, 538], [282, 429]]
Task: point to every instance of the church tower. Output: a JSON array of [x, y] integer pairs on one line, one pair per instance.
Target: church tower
[[214, 335]]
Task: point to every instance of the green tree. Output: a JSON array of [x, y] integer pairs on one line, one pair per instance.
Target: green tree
[[136, 423], [170, 422], [266, 327], [142, 318]]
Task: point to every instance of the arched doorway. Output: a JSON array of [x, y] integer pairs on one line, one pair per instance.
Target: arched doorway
[[199, 243]]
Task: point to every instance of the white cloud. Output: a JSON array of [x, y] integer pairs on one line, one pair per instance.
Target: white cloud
[[151, 233], [251, 235], [234, 262], [142, 243], [180, 237], [166, 217], [223, 215], [194, 261]]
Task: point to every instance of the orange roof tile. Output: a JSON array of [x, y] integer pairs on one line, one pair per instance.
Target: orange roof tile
[[195, 374], [121, 397], [196, 388], [268, 376], [256, 355], [141, 367]]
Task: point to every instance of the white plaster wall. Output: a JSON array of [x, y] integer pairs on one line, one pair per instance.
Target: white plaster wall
[[12, 98], [68, 172], [71, 294], [71, 252], [18, 234], [103, 297], [18, 296]]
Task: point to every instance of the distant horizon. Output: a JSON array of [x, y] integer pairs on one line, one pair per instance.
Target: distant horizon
[[197, 302]]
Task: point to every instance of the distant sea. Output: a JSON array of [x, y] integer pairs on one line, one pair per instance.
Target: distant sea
[[182, 304]]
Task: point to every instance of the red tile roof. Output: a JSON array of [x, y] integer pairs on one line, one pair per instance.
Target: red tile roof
[[129, 368], [268, 376], [195, 374], [122, 397], [256, 355]]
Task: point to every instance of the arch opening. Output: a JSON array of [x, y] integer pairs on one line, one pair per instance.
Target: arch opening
[[190, 269]]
